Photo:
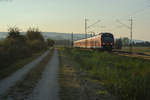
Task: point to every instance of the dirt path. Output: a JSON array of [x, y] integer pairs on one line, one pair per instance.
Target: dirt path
[[47, 88], [10, 81]]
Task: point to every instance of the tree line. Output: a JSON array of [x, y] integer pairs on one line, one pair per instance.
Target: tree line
[[119, 43], [17, 46]]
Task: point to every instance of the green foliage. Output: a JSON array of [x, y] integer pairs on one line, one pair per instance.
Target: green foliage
[[36, 45], [128, 78], [17, 46], [125, 41], [118, 44], [34, 34], [35, 40], [50, 42], [14, 32]]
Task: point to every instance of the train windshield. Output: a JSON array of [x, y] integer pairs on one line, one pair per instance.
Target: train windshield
[[107, 38], [107, 35]]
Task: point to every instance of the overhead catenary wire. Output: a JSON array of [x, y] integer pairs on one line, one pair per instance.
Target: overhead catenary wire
[[131, 24]]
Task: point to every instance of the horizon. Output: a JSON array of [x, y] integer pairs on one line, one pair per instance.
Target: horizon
[[79, 34]]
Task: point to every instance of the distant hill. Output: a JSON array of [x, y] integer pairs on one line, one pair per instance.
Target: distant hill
[[58, 36], [53, 35], [64, 36]]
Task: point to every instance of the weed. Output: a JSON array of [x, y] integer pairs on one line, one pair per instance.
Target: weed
[[128, 78]]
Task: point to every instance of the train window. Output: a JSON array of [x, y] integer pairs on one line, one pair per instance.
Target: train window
[[107, 35], [107, 39]]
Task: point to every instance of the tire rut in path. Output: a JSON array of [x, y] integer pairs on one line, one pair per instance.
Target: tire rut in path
[[10, 81], [48, 88]]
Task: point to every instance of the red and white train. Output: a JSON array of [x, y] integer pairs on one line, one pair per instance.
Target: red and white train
[[103, 41]]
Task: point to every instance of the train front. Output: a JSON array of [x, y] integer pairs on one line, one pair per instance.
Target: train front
[[107, 41]]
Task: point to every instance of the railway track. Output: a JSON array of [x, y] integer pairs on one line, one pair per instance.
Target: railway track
[[133, 54], [124, 53]]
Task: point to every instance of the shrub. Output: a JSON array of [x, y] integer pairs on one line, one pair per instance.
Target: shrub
[[34, 34], [50, 42], [17, 46], [36, 45]]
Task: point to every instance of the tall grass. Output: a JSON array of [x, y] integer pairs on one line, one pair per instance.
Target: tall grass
[[128, 78]]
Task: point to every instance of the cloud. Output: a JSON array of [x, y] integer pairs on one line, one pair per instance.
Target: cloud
[[6, 0]]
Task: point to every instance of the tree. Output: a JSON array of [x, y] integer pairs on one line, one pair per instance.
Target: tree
[[14, 32], [13, 48], [15, 44], [125, 41], [35, 40], [50, 42], [118, 44], [34, 34]]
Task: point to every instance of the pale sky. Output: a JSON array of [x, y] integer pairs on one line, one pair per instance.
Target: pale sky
[[68, 16]]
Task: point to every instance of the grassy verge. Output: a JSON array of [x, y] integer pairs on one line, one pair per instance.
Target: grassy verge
[[76, 84], [19, 64], [23, 88], [145, 50], [126, 77], [69, 85]]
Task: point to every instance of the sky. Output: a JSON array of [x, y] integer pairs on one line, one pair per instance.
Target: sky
[[68, 16]]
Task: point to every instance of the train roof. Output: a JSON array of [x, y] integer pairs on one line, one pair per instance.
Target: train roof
[[88, 38], [93, 36]]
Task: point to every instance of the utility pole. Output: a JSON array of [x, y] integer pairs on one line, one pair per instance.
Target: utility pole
[[86, 27], [86, 32], [72, 39], [131, 31]]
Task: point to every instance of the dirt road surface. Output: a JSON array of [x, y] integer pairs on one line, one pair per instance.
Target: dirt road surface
[[48, 88], [10, 81]]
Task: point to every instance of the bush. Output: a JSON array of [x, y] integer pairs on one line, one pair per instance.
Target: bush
[[34, 34], [14, 32], [36, 45], [17, 46], [50, 42], [35, 40], [118, 44]]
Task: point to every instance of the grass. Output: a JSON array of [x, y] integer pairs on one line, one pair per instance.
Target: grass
[[75, 83], [138, 49], [69, 85], [126, 77], [24, 88], [19, 64]]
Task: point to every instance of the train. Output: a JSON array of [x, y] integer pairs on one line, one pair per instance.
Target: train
[[102, 41]]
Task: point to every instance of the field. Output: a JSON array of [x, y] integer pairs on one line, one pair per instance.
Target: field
[[125, 77]]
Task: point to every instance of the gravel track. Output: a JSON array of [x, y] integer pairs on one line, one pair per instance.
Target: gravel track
[[48, 88], [10, 81]]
